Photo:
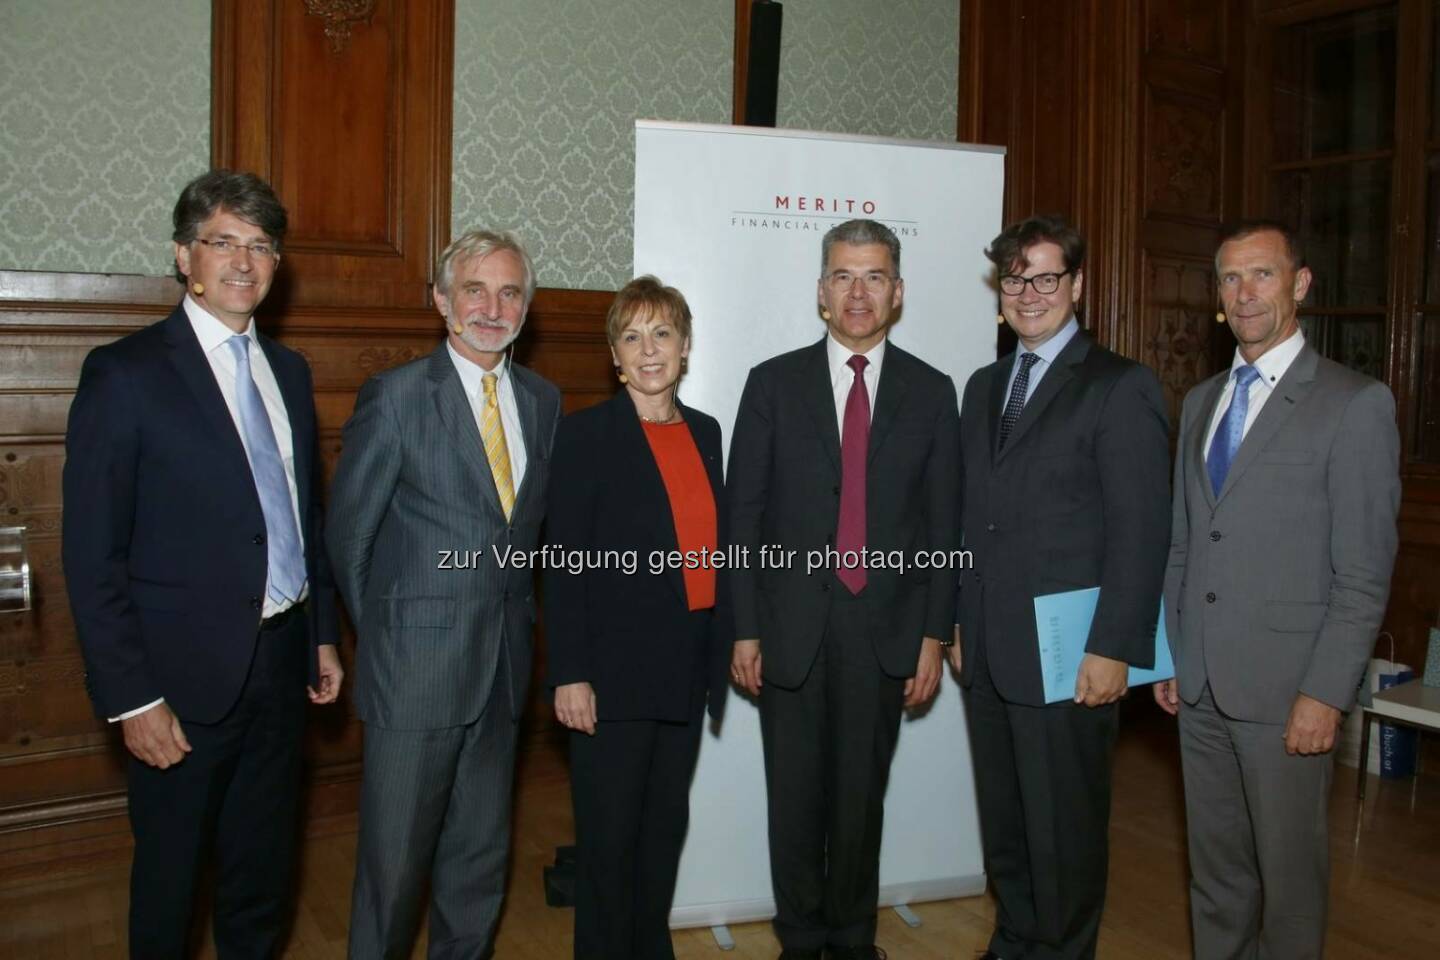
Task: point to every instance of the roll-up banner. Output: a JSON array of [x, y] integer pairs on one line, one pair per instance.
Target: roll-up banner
[[734, 217]]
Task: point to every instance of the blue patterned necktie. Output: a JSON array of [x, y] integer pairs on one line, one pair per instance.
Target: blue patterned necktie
[[1226, 442], [282, 537], [1016, 404]]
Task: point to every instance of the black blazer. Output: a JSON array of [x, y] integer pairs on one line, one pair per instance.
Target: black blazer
[[784, 488], [1078, 498], [630, 636], [164, 539]]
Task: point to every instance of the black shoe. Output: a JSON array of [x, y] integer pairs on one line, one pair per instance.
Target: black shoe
[[867, 952], [989, 955], [793, 954]]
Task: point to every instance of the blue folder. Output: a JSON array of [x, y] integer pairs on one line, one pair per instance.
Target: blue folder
[[1062, 624]]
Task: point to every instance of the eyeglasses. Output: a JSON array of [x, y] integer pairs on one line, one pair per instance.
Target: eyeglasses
[[876, 281], [1013, 284], [260, 250]]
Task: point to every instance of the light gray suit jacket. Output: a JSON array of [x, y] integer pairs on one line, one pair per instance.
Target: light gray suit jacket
[[412, 483], [1278, 585]]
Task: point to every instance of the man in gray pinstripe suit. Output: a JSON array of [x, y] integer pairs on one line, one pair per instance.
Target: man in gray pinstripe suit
[[445, 456]]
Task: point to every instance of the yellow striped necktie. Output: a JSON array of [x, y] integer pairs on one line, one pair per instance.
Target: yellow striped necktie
[[492, 432]]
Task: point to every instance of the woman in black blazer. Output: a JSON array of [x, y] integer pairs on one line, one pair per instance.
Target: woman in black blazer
[[633, 645]]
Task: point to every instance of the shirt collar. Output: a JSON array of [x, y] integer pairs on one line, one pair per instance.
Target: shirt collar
[[472, 375], [1273, 363], [1050, 349], [838, 355], [209, 330]]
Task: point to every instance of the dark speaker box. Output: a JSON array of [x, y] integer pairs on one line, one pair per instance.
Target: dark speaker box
[[762, 78]]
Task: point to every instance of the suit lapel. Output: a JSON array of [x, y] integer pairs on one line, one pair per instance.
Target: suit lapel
[[819, 396], [999, 373], [193, 367], [889, 394], [527, 407], [1288, 394], [647, 485], [1198, 429], [458, 415], [1061, 372], [292, 395]]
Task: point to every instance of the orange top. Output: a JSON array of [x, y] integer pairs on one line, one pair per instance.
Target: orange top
[[692, 505]]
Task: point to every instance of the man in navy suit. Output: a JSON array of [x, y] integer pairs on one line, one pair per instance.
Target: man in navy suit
[[195, 566]]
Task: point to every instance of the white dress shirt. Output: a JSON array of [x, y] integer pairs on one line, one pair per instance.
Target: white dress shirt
[[214, 337], [1046, 352], [842, 378], [472, 378], [1272, 366]]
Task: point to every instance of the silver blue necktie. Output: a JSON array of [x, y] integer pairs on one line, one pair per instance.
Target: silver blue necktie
[[1226, 442], [282, 537]]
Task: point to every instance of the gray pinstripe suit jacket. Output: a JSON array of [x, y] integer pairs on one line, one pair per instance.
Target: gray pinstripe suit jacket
[[1278, 585], [412, 483]]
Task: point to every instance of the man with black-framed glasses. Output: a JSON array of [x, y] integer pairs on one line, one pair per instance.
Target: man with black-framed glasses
[[1065, 451]]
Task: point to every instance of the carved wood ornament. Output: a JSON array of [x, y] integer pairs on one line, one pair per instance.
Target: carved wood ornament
[[339, 15]]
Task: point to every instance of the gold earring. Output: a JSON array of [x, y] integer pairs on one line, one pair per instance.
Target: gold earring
[[198, 288], [1219, 316], [1000, 319], [620, 375], [824, 314]]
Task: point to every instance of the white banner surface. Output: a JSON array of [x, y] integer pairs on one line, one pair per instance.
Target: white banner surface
[[734, 217]]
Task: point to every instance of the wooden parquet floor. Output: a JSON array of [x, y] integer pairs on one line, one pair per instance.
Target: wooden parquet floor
[[1385, 888]]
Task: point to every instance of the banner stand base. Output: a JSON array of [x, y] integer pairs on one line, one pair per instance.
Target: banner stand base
[[911, 918], [723, 940]]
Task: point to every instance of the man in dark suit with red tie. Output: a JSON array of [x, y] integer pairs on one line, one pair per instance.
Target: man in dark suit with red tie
[[196, 572], [846, 447]]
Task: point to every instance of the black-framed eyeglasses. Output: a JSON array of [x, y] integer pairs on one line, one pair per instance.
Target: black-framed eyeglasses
[[260, 249], [1012, 284]]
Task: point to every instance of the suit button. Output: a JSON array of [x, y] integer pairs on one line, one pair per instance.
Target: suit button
[[1215, 535], [256, 603], [836, 491], [1209, 598], [259, 540], [825, 587], [977, 576], [990, 527]]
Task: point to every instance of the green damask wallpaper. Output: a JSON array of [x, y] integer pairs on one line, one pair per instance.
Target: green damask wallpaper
[[547, 91], [882, 69], [104, 114], [546, 95]]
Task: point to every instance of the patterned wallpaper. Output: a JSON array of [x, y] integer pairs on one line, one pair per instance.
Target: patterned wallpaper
[[104, 114], [882, 69], [546, 95]]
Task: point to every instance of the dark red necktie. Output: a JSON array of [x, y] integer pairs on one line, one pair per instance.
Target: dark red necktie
[[854, 447]]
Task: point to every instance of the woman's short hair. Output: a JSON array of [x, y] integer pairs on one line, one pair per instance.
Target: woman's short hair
[[647, 296]]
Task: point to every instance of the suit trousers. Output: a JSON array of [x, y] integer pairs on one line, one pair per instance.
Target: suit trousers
[[1258, 835], [1042, 778], [828, 745], [435, 805], [630, 783], [235, 796]]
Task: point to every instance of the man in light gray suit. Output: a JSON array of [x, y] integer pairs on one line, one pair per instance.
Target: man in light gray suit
[[444, 465], [1284, 534]]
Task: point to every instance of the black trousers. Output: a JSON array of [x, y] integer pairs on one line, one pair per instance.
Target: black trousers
[[828, 746], [630, 784], [1042, 776], [235, 796]]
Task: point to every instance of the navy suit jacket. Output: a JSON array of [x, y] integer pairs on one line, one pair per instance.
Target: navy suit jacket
[[164, 538]]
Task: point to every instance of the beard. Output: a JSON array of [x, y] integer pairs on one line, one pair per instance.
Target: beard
[[482, 338]]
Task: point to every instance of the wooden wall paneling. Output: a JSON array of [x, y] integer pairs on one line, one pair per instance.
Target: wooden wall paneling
[[354, 137]]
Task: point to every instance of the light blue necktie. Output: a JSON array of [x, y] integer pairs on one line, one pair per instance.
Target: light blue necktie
[[282, 538], [1226, 442]]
